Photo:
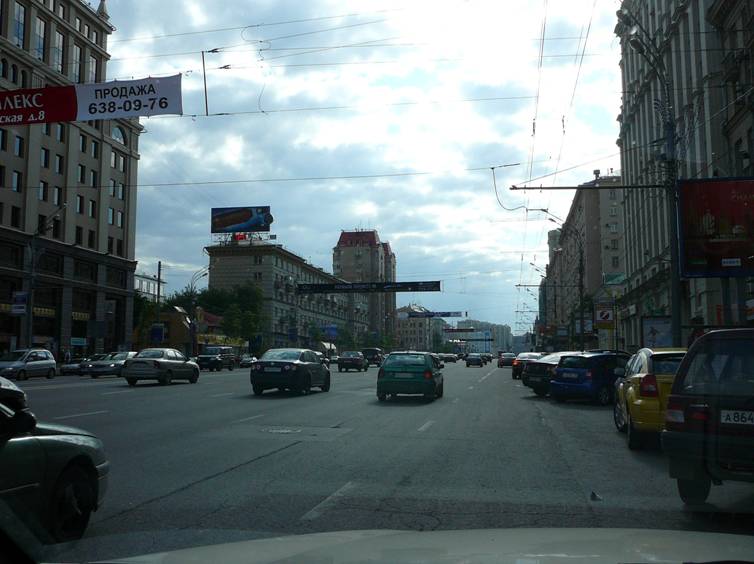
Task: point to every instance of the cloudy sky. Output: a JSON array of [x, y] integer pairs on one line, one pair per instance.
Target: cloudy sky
[[415, 101]]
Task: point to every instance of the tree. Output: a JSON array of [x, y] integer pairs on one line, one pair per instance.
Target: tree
[[231, 324]]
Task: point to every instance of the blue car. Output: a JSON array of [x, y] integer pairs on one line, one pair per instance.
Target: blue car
[[588, 375]]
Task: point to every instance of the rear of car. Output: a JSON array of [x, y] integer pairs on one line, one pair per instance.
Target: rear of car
[[409, 373], [519, 363], [288, 369], [373, 356], [352, 360], [474, 359], [538, 373], [163, 365], [587, 376], [506, 359], [216, 358], [709, 420]]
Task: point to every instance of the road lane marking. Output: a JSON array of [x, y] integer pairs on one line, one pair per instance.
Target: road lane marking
[[426, 426], [455, 400], [118, 392], [249, 418], [471, 387], [80, 415], [483, 378], [221, 395], [328, 502]]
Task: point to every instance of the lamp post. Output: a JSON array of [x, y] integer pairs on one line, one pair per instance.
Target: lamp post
[[642, 42]]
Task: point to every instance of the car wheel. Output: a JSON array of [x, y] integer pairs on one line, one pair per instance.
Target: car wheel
[[167, 379], [93, 376], [50, 374], [441, 390], [194, 377], [340, 369], [694, 492], [618, 418], [21, 375], [131, 381], [382, 397], [73, 501], [306, 387], [541, 392], [326, 386], [258, 390], [604, 397], [366, 368], [635, 438]]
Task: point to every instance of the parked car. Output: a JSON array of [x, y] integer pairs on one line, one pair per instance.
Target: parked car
[[506, 359], [163, 365], [641, 395], [289, 369], [709, 420], [517, 368], [246, 360], [26, 363], [111, 365], [410, 372], [71, 367], [11, 395], [53, 476], [87, 363], [538, 373], [474, 359], [217, 358], [352, 360], [487, 357], [588, 375], [373, 356], [323, 359]]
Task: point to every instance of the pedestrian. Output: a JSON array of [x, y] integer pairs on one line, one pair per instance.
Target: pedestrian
[[67, 356]]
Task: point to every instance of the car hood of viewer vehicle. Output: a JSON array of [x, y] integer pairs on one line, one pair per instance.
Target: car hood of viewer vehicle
[[473, 546]]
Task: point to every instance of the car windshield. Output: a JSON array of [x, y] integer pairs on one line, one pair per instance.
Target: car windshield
[[118, 356], [404, 360], [212, 350], [151, 353], [281, 355], [576, 362], [12, 356], [350, 354]]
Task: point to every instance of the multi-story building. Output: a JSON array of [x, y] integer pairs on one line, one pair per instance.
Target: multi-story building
[[148, 286], [289, 319], [706, 52], [502, 338], [413, 333], [67, 190], [360, 256]]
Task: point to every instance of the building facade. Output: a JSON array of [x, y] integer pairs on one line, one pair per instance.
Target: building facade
[[360, 256], [148, 286], [289, 319], [413, 333], [67, 190]]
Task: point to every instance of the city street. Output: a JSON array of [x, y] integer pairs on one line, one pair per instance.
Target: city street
[[208, 463]]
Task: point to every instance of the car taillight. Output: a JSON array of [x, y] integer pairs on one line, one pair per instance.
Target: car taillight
[[681, 416], [380, 374], [427, 374], [648, 386], [588, 374], [515, 362]]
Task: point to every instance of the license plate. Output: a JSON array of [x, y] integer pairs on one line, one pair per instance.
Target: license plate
[[403, 374], [569, 376], [731, 417], [272, 369], [536, 378]]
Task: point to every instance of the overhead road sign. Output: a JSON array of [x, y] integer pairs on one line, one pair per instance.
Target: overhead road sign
[[368, 287], [435, 314]]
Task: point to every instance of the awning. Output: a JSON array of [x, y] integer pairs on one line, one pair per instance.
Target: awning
[[329, 346]]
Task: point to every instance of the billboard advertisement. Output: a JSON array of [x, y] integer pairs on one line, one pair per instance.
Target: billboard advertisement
[[363, 287], [716, 228], [656, 332], [241, 220]]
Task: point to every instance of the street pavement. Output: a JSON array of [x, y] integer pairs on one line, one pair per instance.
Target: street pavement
[[207, 463]]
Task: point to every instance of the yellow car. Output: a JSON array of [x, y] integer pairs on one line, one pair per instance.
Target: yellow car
[[641, 394]]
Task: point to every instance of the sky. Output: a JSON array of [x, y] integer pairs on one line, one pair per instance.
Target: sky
[[388, 115]]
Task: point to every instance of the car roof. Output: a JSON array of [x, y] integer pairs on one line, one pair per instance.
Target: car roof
[[663, 351]]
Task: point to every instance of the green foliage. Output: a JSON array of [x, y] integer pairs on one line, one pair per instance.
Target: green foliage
[[143, 309]]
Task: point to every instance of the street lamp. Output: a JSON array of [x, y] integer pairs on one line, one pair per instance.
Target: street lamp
[[641, 41]]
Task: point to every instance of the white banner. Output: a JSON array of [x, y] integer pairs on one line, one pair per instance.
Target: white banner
[[129, 98]]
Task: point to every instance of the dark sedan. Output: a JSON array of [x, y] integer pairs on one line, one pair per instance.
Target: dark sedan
[[352, 360], [506, 359], [538, 373], [519, 363], [474, 359], [289, 369]]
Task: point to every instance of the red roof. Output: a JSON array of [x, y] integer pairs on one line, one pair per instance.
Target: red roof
[[358, 239]]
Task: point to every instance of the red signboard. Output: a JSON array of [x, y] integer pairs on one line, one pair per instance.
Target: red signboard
[[38, 105], [717, 227]]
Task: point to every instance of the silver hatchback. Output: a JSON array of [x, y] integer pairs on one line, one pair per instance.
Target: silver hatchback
[[25, 363]]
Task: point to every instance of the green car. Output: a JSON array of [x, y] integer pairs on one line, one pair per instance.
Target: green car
[[410, 373]]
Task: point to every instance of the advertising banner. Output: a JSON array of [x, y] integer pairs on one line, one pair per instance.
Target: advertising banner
[[18, 307], [368, 287], [656, 332], [435, 314], [459, 330], [588, 328], [716, 227], [241, 220], [101, 100]]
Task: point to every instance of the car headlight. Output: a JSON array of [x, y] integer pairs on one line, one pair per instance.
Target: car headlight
[[112, 366], [8, 369]]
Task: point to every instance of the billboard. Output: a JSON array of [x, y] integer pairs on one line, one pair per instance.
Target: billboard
[[241, 220], [716, 227], [435, 314], [656, 332], [366, 287]]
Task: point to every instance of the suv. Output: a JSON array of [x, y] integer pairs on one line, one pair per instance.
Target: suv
[[709, 419], [217, 358], [589, 375], [24, 363]]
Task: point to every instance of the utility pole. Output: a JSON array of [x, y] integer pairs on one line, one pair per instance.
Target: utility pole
[[157, 303]]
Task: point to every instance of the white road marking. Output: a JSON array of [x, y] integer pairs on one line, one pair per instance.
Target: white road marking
[[455, 400], [471, 387], [426, 426], [326, 503], [483, 378], [118, 392], [221, 395], [80, 415], [249, 418]]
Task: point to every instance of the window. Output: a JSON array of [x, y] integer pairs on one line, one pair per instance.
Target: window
[[2, 176], [57, 195], [19, 25], [17, 181], [121, 190], [78, 24], [614, 244], [113, 159], [38, 48], [42, 195], [112, 187], [44, 158], [15, 217], [122, 163], [92, 208], [613, 228], [56, 228], [60, 132], [110, 244], [79, 204], [3, 139], [82, 143], [61, 10], [92, 68], [616, 262], [46, 128], [119, 219], [118, 135], [613, 210], [613, 194], [41, 220], [93, 178], [119, 247], [91, 239], [82, 174], [18, 146], [86, 30], [14, 74], [56, 54], [76, 64], [94, 149], [95, 36], [110, 216]]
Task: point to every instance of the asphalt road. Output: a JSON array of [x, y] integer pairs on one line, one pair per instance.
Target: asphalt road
[[210, 462]]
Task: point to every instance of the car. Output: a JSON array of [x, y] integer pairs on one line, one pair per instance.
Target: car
[[11, 395], [352, 360], [73, 366], [217, 358], [163, 365], [323, 359], [26, 363], [588, 375], [289, 369], [447, 357], [53, 476], [87, 363], [474, 359], [520, 361], [641, 395], [538, 373], [373, 356], [246, 360], [410, 372], [111, 365], [709, 420], [506, 359]]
